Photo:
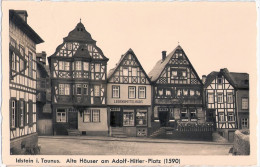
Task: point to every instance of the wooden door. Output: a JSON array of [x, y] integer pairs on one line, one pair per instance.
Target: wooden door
[[73, 120]]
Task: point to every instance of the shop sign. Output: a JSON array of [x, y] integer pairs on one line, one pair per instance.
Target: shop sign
[[128, 101]]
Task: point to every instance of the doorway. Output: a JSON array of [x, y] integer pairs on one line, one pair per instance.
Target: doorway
[[116, 119], [164, 118]]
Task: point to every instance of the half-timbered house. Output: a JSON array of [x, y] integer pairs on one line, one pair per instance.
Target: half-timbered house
[[226, 95], [22, 82], [129, 97], [177, 91], [78, 78]]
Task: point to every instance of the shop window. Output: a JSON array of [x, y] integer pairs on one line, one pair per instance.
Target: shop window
[[61, 115], [230, 117], [244, 122], [141, 92], [115, 91], [85, 89], [221, 117], [244, 103], [141, 118], [131, 92], [229, 97], [220, 97], [128, 117]]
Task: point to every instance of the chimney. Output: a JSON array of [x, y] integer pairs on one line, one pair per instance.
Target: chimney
[[204, 79], [41, 57], [163, 55], [23, 14]]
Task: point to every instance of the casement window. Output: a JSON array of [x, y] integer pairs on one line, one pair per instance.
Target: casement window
[[131, 92], [185, 92], [160, 92], [210, 98], [69, 46], [115, 91], [78, 89], [97, 67], [78, 65], [141, 118], [244, 103], [230, 116], [85, 89], [174, 73], [13, 113], [134, 71], [244, 123], [184, 113], [168, 92], [179, 92], [192, 92], [128, 118], [91, 115], [30, 65], [229, 97], [125, 71], [22, 113], [183, 73], [96, 90], [64, 89], [193, 113], [61, 115], [221, 117], [141, 92], [220, 97], [86, 66], [13, 57]]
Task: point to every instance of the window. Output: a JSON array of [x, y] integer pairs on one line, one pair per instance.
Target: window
[[220, 97], [13, 104], [230, 117], [193, 113], [185, 92], [95, 117], [85, 89], [115, 91], [134, 71], [168, 92], [184, 113], [78, 89], [197, 92], [30, 64], [21, 113], [179, 92], [244, 122], [87, 116], [219, 80], [64, 89], [61, 115], [97, 90], [221, 117], [244, 103], [141, 118], [97, 67], [69, 46], [86, 66], [91, 115], [125, 71], [210, 98], [142, 92], [184, 74], [128, 118], [192, 92], [78, 65], [66, 66], [160, 92], [174, 73], [229, 97], [131, 92], [13, 61]]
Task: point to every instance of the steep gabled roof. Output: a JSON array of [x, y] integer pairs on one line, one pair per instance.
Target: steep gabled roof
[[237, 80], [155, 73], [19, 22], [113, 70]]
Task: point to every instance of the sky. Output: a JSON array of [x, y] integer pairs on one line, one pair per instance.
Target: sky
[[213, 35]]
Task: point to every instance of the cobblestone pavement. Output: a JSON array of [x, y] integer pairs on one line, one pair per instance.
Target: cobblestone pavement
[[89, 145]]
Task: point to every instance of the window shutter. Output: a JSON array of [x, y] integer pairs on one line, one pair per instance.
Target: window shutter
[[19, 113], [30, 113], [10, 112], [16, 114], [25, 113]]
